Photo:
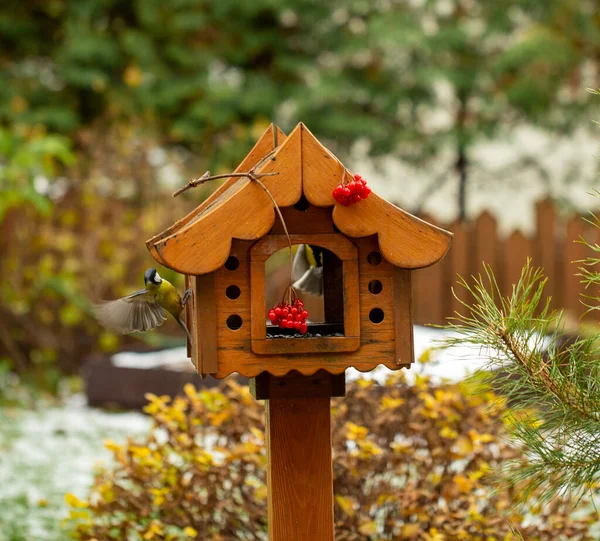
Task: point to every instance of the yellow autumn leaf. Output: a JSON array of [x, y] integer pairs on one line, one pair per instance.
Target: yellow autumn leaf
[[448, 433], [74, 501], [347, 504], [463, 484], [356, 432], [106, 491], [260, 493], [189, 390], [387, 402], [368, 528], [463, 446], [369, 449], [155, 529], [427, 356], [434, 535], [382, 499], [190, 532], [139, 452], [79, 515], [409, 531], [421, 382], [401, 447]]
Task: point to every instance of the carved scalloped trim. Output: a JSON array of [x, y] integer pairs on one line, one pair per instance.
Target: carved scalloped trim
[[251, 372]]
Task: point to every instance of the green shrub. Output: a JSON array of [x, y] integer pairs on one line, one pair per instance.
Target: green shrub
[[411, 461], [71, 235]]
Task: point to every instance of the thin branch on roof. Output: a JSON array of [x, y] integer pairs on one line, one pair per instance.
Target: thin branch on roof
[[207, 177]]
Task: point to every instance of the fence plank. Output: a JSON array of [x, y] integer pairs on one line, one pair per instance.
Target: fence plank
[[552, 247], [486, 243], [518, 248], [459, 264], [545, 253], [429, 292], [574, 251]]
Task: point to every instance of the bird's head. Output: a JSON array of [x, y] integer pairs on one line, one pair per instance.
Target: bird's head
[[152, 277]]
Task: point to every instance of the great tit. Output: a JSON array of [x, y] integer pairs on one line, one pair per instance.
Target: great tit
[[307, 269], [145, 309]]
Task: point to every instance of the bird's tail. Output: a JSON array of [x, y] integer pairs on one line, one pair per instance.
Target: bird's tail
[[184, 327]]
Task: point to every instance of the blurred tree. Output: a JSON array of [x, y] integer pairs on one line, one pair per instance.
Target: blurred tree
[[546, 369], [419, 79], [429, 79]]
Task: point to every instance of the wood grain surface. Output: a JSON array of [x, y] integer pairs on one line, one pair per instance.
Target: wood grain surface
[[348, 254], [377, 341], [205, 324], [295, 385], [263, 146], [242, 211], [199, 243], [299, 470]]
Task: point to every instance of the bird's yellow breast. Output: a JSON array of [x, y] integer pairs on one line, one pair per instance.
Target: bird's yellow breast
[[168, 297]]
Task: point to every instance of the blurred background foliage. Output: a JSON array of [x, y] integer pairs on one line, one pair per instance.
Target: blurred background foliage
[[107, 105], [200, 471]]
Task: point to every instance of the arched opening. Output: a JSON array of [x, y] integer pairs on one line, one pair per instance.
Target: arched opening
[[319, 282]]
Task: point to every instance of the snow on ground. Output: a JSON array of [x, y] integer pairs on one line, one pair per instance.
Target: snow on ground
[[452, 364], [47, 452]]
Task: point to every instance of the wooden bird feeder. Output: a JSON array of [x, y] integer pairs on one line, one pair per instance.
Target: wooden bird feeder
[[370, 249]]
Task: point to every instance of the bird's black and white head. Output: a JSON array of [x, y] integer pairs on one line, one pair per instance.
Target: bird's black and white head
[[151, 277]]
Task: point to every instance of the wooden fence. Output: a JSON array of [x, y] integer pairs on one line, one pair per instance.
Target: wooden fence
[[553, 247]]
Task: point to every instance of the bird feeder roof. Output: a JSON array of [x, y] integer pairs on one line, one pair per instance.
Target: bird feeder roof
[[200, 242]]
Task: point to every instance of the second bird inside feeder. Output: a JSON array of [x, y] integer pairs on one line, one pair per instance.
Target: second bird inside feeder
[[317, 279]]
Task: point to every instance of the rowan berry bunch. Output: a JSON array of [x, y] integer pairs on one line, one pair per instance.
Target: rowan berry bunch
[[352, 192], [290, 316]]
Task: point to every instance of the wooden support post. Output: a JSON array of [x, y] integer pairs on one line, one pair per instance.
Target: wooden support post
[[299, 462]]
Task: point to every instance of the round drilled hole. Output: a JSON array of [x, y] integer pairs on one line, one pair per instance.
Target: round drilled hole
[[376, 315], [234, 322], [232, 263], [374, 258], [375, 287], [302, 204], [233, 292]]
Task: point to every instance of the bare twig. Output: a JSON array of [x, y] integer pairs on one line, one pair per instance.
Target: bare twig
[[206, 177], [253, 177]]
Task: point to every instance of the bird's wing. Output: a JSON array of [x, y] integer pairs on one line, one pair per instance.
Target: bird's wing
[[311, 282], [307, 277], [138, 312], [300, 264]]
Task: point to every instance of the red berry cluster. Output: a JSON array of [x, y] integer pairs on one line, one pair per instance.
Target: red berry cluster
[[353, 192], [290, 316]]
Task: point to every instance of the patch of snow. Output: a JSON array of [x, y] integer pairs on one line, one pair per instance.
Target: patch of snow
[[451, 364], [171, 358], [53, 452]]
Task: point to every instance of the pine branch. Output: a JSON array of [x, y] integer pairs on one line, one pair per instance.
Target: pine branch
[[563, 391], [553, 389]]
